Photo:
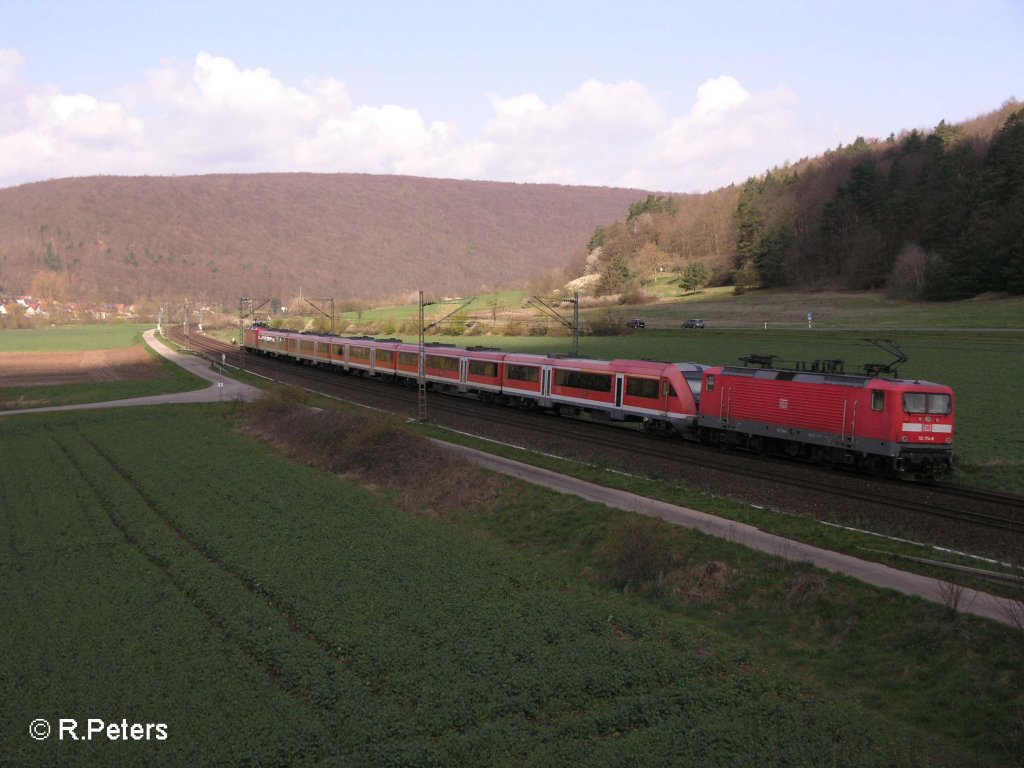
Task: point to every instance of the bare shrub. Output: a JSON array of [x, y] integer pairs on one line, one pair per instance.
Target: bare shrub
[[377, 450], [907, 279], [805, 588], [636, 551], [705, 584], [952, 595], [1013, 610]]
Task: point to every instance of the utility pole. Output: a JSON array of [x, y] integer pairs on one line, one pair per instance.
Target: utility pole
[[542, 304], [245, 309], [186, 326], [314, 306], [421, 379]]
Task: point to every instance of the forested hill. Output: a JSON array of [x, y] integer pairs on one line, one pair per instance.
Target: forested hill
[[274, 235], [927, 214]]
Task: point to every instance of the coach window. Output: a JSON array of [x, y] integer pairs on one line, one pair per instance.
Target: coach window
[[408, 358], [442, 363], [592, 382], [522, 373], [385, 357], [481, 368], [878, 400], [642, 388]]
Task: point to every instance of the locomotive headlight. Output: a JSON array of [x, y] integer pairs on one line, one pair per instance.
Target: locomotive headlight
[[904, 438], [928, 419], [949, 440]]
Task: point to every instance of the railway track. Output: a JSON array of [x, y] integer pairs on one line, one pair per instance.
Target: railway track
[[963, 506]]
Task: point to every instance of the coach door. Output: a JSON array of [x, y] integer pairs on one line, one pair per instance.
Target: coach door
[[618, 390]]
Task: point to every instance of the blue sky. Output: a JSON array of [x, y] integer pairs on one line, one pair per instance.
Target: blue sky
[[674, 96]]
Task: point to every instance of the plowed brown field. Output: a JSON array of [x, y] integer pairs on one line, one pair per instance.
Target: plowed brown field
[[35, 369]]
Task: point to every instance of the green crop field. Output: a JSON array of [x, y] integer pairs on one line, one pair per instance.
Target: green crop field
[[72, 338], [157, 568], [168, 378]]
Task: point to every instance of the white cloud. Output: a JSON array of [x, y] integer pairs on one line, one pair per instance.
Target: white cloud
[[214, 116], [719, 95]]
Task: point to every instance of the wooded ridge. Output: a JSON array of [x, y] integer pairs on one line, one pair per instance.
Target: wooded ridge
[[214, 238], [933, 214]]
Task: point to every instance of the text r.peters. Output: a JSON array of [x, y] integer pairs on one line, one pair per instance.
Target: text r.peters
[[123, 731]]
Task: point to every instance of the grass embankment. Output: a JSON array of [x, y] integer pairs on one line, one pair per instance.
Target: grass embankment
[[503, 626]]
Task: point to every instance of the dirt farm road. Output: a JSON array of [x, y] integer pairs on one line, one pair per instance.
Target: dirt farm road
[[221, 387]]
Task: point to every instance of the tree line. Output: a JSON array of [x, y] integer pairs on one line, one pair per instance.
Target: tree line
[[930, 214]]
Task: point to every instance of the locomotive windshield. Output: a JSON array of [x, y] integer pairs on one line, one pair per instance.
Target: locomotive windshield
[[922, 402]]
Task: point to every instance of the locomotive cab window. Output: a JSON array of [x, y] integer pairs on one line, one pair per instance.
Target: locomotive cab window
[[878, 400], [711, 384], [922, 402]]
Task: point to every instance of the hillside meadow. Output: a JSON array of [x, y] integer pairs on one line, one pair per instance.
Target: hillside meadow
[[290, 616]]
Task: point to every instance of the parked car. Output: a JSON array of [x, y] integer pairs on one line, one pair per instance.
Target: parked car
[[695, 323], [636, 322]]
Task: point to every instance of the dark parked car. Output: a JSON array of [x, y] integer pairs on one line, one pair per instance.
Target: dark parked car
[[636, 322], [693, 324]]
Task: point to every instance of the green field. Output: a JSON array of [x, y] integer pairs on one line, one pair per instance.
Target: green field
[[72, 338], [156, 567], [172, 378], [722, 308]]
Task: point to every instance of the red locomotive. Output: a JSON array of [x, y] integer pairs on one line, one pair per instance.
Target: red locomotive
[[881, 425]]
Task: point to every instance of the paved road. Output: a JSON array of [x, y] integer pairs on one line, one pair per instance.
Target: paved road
[[971, 601], [221, 387]]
